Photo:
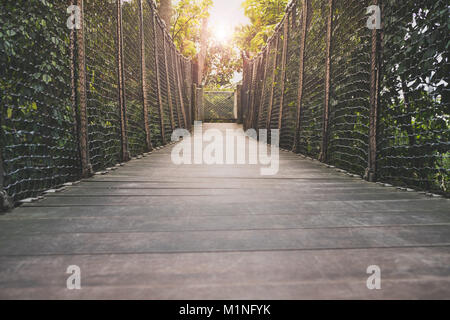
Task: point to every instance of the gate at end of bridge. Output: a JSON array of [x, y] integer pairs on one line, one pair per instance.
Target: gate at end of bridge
[[217, 106]]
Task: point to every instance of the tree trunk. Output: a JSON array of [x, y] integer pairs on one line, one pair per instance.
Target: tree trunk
[[203, 50], [166, 11]]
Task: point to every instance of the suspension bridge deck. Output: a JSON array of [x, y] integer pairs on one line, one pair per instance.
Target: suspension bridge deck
[[155, 230]]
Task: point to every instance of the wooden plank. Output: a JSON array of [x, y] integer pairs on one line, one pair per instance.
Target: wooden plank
[[145, 224], [286, 275], [225, 241], [165, 209], [321, 224]]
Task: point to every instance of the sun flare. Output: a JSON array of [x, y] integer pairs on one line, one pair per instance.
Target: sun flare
[[221, 33]]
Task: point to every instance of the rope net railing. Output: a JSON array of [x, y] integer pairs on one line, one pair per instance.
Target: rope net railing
[[38, 140], [102, 96], [80, 100], [372, 100]]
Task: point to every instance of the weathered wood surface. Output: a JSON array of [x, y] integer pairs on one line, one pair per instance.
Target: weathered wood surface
[[155, 230]]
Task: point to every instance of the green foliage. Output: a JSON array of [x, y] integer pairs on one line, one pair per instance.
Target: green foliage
[[186, 25], [264, 15], [222, 62], [38, 144], [415, 117], [413, 142], [101, 69]]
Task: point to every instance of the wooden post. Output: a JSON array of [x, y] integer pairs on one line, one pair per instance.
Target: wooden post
[[194, 71], [305, 15], [158, 79], [173, 64], [251, 116], [194, 102], [121, 84], [73, 87], [244, 89], [148, 140], [6, 202], [3, 194], [169, 90], [272, 89], [248, 94], [200, 106], [187, 89], [2, 171], [371, 172], [86, 168], [257, 76], [180, 93], [2, 147], [326, 110], [263, 87], [193, 89], [239, 103], [283, 68], [253, 86]]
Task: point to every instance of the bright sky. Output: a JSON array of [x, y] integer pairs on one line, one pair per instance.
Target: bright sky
[[225, 16]]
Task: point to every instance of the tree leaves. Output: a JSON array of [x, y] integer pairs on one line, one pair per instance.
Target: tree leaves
[[264, 15]]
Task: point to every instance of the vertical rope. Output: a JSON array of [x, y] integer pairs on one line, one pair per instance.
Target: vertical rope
[[121, 83], [374, 101], [169, 90], [158, 79], [272, 86], [82, 96], [148, 140], [326, 110], [305, 13], [283, 67]]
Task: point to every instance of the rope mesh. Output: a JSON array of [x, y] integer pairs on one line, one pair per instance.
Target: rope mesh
[[152, 80], [38, 138], [350, 87], [42, 85], [387, 113], [132, 75], [404, 83], [289, 112], [311, 125], [163, 80], [218, 105], [102, 83], [414, 147], [277, 89], [266, 86]]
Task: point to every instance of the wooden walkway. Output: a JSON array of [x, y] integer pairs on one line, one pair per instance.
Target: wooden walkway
[[155, 230]]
